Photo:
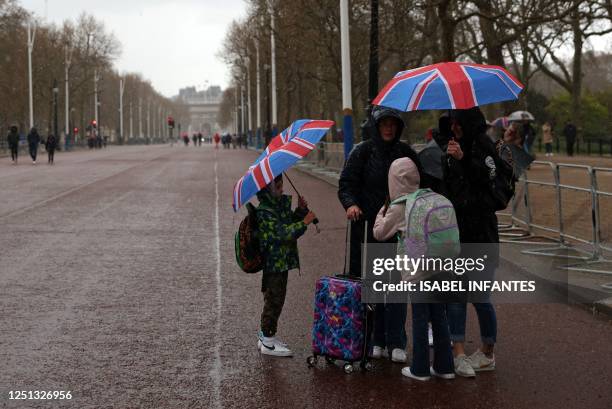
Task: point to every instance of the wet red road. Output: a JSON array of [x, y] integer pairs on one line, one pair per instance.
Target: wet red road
[[118, 283]]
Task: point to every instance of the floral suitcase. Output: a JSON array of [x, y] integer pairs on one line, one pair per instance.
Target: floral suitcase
[[340, 329]]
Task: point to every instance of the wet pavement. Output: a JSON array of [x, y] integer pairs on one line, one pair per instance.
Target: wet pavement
[[118, 282]]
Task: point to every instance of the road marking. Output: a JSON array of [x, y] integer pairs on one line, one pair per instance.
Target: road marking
[[217, 366]]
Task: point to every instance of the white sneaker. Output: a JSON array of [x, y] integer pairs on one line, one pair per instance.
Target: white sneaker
[[271, 346], [441, 375], [33, 162], [398, 355], [463, 366], [379, 352], [407, 372], [430, 335], [480, 362]]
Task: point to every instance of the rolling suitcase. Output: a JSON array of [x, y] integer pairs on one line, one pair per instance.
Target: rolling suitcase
[[340, 330]]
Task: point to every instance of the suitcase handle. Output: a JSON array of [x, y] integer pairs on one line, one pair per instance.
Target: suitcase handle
[[347, 253]]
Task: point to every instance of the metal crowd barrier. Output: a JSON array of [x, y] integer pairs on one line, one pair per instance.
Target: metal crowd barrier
[[591, 252]]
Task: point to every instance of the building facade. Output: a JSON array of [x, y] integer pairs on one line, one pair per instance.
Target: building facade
[[202, 108]]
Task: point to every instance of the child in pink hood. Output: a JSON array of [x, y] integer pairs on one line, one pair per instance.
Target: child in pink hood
[[391, 219]]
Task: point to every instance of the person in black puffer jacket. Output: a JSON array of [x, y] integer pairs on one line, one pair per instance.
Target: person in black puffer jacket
[[363, 190], [478, 182]]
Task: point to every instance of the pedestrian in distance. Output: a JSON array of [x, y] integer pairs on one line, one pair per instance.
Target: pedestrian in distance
[[194, 138], [478, 183], [569, 132], [217, 139], [391, 222], [362, 191], [278, 231], [13, 142], [50, 146], [547, 138], [33, 142], [200, 137]]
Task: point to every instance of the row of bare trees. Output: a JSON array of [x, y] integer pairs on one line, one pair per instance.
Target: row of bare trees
[[83, 48], [532, 38]]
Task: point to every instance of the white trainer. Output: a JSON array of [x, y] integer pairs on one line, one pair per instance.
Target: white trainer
[[480, 362], [398, 355], [463, 366], [407, 372], [441, 375], [271, 346], [430, 335], [379, 352]]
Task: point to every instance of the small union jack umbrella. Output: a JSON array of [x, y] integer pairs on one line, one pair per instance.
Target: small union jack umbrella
[[448, 85], [284, 151]]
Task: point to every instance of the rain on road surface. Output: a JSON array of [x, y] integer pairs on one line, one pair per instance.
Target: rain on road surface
[[118, 283]]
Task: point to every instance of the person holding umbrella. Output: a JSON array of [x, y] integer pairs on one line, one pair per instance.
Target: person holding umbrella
[[478, 183], [362, 191]]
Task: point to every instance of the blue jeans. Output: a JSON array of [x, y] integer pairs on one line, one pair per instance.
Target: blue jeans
[[443, 357], [390, 326], [487, 320]]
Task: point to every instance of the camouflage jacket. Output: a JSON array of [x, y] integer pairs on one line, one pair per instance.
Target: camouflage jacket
[[278, 231]]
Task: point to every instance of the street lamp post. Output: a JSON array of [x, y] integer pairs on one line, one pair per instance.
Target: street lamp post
[[346, 79], [250, 128], [148, 120], [68, 60], [373, 69], [31, 38], [273, 64], [121, 89], [131, 121], [140, 136], [55, 122], [96, 102], [258, 97]]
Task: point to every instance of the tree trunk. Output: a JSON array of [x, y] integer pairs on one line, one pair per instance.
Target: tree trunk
[[447, 27]]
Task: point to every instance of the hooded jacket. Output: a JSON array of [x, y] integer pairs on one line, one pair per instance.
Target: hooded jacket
[[403, 179], [480, 183], [363, 181], [278, 231], [13, 138], [33, 137]]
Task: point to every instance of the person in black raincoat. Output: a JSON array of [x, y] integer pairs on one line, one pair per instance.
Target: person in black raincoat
[[478, 182], [50, 146], [363, 190], [33, 142], [13, 142]]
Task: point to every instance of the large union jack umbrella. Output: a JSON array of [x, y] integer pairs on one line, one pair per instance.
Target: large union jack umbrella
[[448, 85], [291, 145]]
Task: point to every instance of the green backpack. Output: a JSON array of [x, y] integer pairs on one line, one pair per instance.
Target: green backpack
[[431, 226]]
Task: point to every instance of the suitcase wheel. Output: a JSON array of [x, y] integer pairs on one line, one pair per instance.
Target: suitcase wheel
[[368, 366], [330, 361], [311, 361], [348, 368]]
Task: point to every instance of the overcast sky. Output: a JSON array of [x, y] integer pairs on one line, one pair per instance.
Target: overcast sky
[[172, 43]]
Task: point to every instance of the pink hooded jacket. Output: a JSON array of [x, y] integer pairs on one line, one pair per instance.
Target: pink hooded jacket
[[403, 179]]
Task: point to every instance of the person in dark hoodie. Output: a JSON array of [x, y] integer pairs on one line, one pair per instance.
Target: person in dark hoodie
[[13, 142], [478, 182], [278, 231], [50, 146], [363, 190], [33, 142]]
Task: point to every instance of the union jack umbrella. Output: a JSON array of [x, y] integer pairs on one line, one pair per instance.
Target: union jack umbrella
[[448, 85], [291, 145]]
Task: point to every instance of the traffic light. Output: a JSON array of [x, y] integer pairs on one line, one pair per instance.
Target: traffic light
[[76, 131], [171, 122], [94, 123]]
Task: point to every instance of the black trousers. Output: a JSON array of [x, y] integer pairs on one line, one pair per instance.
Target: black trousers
[[51, 153], [14, 151], [33, 150]]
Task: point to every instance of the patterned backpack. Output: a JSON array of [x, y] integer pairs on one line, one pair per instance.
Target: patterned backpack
[[431, 226], [246, 243]]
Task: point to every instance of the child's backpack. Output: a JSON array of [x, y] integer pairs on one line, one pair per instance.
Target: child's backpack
[[246, 243], [431, 226]]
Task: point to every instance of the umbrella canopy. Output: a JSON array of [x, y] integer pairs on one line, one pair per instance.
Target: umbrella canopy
[[501, 122], [449, 85], [283, 152], [521, 116]]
